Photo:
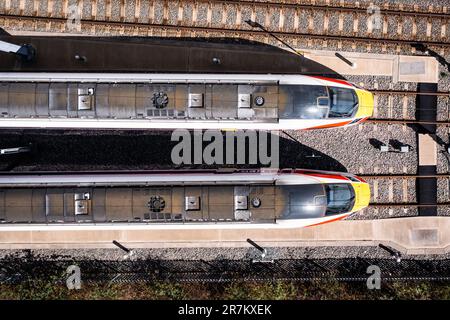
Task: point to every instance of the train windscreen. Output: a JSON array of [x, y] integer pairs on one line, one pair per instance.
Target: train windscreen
[[316, 102], [343, 102], [340, 198]]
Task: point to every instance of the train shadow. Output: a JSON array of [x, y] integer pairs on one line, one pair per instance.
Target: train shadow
[[426, 111], [294, 154], [168, 54], [56, 150]]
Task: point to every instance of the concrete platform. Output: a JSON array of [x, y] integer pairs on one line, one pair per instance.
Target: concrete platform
[[418, 235], [427, 150], [399, 67]]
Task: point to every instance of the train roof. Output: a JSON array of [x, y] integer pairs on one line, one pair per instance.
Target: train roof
[[260, 204], [172, 100], [156, 54]]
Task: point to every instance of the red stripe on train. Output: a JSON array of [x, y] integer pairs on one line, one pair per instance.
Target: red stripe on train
[[328, 176], [332, 125], [334, 80], [332, 220], [322, 175]]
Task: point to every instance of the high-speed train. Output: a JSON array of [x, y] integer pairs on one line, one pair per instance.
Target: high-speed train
[[201, 198], [169, 84], [171, 101]]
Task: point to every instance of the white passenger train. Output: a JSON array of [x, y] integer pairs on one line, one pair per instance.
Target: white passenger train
[[204, 199], [171, 101]]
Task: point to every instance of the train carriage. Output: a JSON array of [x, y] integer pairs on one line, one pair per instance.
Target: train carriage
[[170, 101], [202, 198]]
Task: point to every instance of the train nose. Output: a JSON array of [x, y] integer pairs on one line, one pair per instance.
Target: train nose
[[366, 103], [362, 196]]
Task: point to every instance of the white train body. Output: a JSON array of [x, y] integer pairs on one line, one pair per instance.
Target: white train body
[[185, 199], [189, 101]]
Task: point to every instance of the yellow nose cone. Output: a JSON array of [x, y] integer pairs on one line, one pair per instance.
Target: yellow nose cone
[[366, 105], [362, 196]]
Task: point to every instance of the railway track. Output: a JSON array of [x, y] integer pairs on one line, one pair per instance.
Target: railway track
[[400, 105], [406, 122], [394, 195], [306, 23], [385, 187], [392, 189]]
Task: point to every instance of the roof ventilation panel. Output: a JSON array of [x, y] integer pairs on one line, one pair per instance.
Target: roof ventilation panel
[[82, 202], [156, 204], [192, 203], [160, 100], [85, 98], [196, 100], [244, 100]]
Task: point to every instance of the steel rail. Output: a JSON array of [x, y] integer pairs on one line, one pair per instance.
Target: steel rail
[[403, 121], [406, 92], [406, 176], [238, 32]]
